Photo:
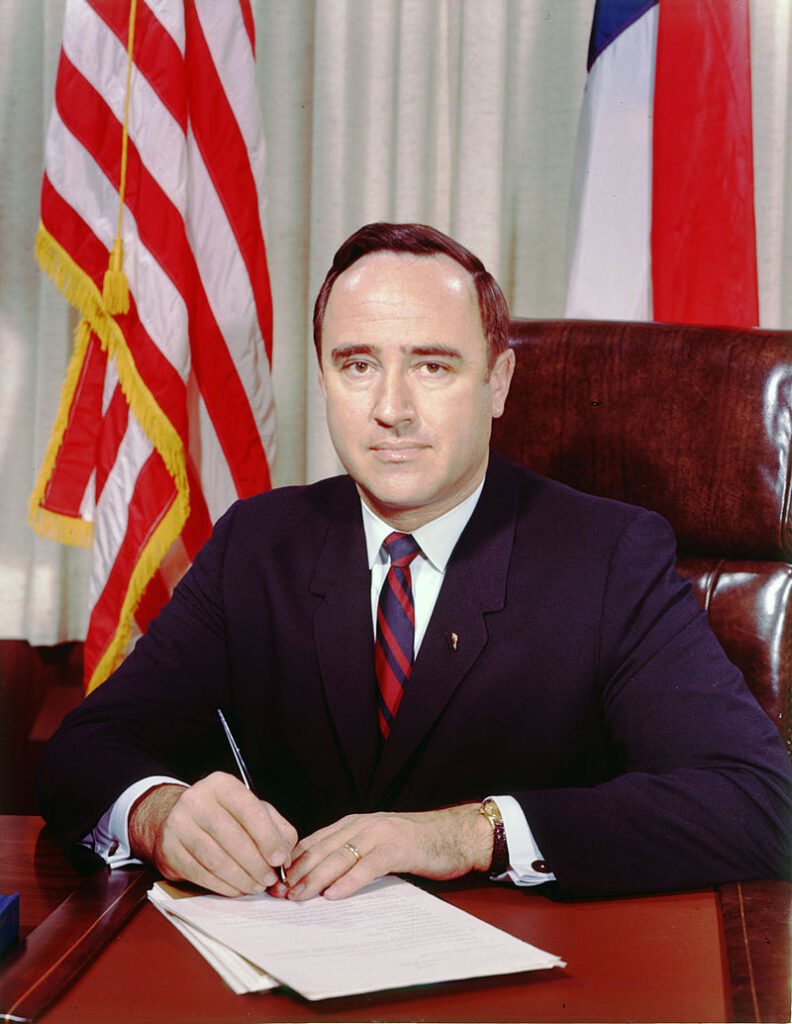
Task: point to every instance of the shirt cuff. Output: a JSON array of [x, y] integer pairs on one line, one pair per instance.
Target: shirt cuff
[[524, 854], [110, 836]]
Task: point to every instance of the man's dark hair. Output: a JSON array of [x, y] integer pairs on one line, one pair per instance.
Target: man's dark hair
[[420, 240]]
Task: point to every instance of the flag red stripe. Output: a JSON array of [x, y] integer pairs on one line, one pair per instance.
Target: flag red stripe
[[111, 434], [156, 55], [225, 157], [70, 474], [703, 227], [161, 229], [250, 25], [199, 523], [155, 597], [227, 402], [153, 495], [194, 535]]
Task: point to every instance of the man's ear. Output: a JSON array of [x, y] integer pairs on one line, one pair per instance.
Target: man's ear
[[500, 381]]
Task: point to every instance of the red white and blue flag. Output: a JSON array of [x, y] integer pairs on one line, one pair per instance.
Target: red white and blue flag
[[662, 217], [155, 149]]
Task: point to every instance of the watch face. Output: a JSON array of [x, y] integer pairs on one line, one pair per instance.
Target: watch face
[[492, 810]]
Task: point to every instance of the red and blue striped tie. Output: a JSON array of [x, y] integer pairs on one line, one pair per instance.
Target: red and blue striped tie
[[393, 652]]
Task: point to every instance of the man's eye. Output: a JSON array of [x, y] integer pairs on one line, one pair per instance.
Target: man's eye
[[357, 366], [434, 369]]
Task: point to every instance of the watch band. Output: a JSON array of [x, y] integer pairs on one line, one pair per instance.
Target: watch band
[[500, 850]]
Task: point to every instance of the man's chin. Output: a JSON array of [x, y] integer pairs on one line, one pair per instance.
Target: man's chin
[[387, 501]]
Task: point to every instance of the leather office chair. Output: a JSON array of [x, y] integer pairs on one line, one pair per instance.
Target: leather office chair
[[696, 424]]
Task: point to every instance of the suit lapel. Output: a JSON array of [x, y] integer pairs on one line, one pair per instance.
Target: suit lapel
[[474, 584], [343, 635]]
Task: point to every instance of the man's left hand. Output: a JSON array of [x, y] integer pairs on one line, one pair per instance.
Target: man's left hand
[[340, 859]]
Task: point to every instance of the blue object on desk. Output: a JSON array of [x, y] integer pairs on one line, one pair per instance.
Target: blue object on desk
[[9, 921]]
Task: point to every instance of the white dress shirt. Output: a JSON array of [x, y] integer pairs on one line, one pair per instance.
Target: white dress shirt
[[437, 540]]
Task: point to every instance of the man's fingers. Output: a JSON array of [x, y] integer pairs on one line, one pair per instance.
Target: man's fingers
[[219, 850], [230, 838], [215, 838], [186, 867], [219, 835], [353, 880], [323, 867], [270, 833]]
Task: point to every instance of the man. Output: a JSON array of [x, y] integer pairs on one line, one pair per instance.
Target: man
[[436, 664]]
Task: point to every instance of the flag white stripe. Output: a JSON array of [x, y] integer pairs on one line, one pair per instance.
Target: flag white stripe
[[218, 484], [112, 508], [611, 211], [77, 177]]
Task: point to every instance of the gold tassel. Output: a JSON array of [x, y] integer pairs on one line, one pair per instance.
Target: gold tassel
[[115, 290]]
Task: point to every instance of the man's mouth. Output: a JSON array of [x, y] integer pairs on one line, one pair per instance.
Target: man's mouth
[[398, 451]]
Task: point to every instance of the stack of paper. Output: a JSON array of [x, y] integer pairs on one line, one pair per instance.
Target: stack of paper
[[388, 935], [238, 973]]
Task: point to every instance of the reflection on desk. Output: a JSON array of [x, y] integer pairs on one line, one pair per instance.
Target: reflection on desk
[[681, 956]]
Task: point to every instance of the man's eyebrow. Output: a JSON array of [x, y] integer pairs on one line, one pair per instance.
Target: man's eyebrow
[[444, 351], [342, 352]]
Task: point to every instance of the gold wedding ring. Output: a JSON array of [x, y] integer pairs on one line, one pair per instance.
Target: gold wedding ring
[[353, 850]]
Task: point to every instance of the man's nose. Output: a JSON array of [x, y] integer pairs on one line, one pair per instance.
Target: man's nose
[[394, 405]]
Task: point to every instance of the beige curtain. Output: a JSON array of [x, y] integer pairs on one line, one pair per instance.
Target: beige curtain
[[457, 113], [461, 113]]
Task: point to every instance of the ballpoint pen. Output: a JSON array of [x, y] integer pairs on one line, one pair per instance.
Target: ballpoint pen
[[243, 771]]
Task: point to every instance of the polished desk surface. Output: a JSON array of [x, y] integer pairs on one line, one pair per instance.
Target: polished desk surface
[[698, 956]]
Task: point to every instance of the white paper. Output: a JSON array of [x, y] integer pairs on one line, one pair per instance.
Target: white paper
[[388, 935], [240, 975]]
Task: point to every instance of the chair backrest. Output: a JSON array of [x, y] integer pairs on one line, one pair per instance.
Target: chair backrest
[[696, 424]]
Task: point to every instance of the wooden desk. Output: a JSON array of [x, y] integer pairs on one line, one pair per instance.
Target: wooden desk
[[699, 956]]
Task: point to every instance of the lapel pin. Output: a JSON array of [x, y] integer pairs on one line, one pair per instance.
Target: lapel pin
[[453, 639]]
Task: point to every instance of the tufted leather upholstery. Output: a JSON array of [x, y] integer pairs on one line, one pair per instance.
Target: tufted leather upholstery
[[695, 423]]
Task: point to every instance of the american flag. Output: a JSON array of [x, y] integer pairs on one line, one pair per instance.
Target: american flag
[[166, 414]]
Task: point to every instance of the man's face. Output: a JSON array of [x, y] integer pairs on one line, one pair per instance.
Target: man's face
[[410, 398]]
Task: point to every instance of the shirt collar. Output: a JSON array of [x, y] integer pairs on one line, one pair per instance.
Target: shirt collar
[[437, 538]]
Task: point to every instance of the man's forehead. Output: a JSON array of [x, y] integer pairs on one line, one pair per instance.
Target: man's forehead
[[386, 297], [370, 276]]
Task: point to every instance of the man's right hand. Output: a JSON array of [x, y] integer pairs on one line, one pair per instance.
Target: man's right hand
[[215, 833]]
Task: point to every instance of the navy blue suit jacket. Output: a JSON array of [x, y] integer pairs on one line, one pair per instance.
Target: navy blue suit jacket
[[584, 680]]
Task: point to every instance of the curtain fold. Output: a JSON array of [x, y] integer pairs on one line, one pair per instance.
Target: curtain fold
[[459, 113]]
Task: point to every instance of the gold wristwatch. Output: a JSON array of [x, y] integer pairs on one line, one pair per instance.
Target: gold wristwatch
[[500, 850]]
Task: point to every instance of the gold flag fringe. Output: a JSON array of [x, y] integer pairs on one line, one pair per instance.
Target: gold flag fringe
[[55, 526], [168, 530], [81, 292]]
